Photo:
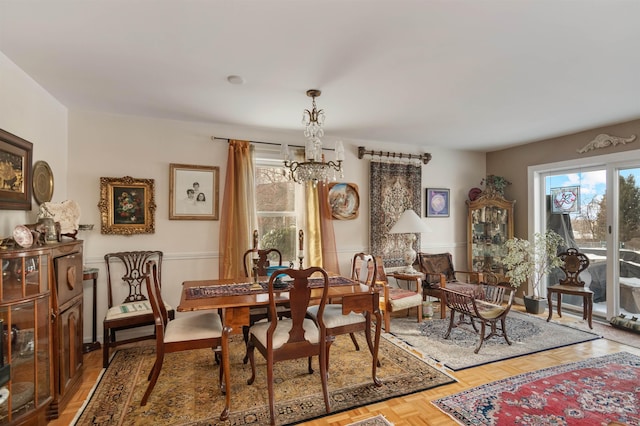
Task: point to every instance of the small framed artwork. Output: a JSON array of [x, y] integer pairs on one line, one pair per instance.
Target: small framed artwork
[[437, 202], [127, 205], [15, 172], [193, 192], [565, 199], [344, 200]]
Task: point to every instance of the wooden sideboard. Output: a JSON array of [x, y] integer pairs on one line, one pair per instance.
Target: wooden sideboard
[[41, 316]]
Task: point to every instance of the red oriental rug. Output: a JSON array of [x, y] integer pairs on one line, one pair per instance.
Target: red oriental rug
[[595, 391]]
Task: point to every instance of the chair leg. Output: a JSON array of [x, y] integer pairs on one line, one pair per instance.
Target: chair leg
[[482, 331], [355, 342], [245, 335], [157, 367], [252, 361], [452, 318], [367, 335], [310, 367], [272, 402], [504, 330], [105, 347], [324, 364], [387, 321], [225, 372]]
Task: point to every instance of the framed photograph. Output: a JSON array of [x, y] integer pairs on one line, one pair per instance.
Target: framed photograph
[[15, 172], [127, 206], [344, 200], [193, 192], [565, 199], [437, 202]]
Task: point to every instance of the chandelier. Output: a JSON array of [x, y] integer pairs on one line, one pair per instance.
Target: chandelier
[[313, 169]]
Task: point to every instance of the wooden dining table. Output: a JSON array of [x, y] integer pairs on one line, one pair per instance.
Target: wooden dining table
[[235, 297]]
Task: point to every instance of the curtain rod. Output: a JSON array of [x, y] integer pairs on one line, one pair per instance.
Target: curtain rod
[[214, 138], [425, 158]]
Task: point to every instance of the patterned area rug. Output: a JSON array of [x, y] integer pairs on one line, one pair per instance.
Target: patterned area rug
[[528, 334], [591, 392], [378, 420], [187, 391]]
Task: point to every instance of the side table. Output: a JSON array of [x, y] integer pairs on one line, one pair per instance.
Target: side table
[[92, 274]]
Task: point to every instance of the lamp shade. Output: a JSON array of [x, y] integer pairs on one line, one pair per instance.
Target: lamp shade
[[408, 223]]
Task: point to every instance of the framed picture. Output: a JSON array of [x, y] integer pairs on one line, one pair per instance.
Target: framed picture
[[127, 205], [437, 202], [344, 200], [15, 172], [565, 199], [193, 192]]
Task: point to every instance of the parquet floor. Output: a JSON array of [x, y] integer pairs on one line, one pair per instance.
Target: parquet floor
[[413, 409]]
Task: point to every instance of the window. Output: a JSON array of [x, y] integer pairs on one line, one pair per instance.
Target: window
[[279, 208]]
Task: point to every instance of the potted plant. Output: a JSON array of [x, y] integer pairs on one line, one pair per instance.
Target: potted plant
[[528, 261]]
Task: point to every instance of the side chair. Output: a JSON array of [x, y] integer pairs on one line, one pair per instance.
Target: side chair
[[200, 331], [363, 270], [126, 275], [281, 339], [394, 299], [574, 263], [440, 273]]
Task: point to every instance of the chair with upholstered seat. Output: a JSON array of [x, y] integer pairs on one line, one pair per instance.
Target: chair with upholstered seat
[[487, 307], [573, 263], [393, 299], [125, 279], [281, 339], [197, 331], [363, 270], [440, 273]]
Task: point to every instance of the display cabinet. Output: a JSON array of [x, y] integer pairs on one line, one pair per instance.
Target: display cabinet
[[490, 224], [26, 349]]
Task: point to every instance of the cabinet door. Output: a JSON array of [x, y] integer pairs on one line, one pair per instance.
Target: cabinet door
[[70, 344]]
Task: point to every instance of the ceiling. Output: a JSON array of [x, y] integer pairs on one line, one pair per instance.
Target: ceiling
[[467, 74]]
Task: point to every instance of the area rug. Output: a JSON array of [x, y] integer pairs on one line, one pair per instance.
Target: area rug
[[595, 391], [378, 420], [528, 334], [187, 391]]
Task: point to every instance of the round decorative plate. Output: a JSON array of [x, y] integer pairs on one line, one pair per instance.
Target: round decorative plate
[[474, 193], [344, 200], [438, 203], [42, 182], [23, 236]]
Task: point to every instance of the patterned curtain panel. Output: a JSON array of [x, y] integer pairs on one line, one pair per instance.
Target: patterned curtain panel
[[394, 188]]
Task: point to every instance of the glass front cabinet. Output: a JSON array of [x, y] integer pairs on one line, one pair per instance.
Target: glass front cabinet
[[26, 375], [490, 224]]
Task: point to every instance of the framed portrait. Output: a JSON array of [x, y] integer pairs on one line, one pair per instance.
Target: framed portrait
[[344, 200], [127, 205], [193, 192], [565, 199], [437, 202], [15, 172]]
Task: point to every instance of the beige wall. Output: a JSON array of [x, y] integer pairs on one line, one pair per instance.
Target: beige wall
[[512, 163], [30, 112]]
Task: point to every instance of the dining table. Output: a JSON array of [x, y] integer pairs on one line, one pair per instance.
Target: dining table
[[234, 297]]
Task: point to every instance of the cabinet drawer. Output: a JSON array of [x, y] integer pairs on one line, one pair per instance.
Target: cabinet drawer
[[68, 277]]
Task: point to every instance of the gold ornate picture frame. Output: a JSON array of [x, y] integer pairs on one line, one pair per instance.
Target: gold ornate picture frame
[[127, 206], [193, 192], [15, 172]]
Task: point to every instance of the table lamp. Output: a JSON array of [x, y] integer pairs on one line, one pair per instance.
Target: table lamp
[[409, 223]]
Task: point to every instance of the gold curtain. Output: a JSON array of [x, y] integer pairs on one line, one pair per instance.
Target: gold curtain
[[238, 212], [321, 240]]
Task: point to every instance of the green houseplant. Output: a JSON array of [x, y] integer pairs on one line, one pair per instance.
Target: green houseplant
[[530, 261]]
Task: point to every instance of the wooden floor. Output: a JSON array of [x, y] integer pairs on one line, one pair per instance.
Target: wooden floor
[[413, 409]]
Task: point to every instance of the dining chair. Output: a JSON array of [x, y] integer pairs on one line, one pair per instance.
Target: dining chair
[[198, 331], [281, 339], [126, 275], [363, 270], [257, 261]]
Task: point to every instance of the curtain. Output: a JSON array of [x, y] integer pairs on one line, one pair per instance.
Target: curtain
[[238, 216], [321, 239]]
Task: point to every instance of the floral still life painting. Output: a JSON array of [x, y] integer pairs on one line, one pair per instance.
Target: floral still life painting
[[127, 206]]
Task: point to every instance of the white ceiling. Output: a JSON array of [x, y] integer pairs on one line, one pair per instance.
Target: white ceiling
[[472, 74]]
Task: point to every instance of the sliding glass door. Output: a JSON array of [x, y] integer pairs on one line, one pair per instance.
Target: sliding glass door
[[595, 208]]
